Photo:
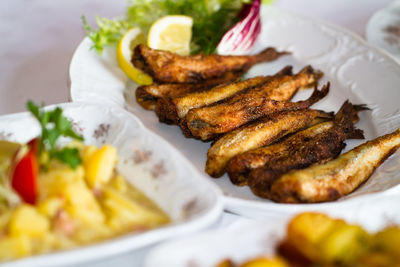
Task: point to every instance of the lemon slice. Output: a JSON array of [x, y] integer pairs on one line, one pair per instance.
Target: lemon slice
[[125, 48], [171, 33]]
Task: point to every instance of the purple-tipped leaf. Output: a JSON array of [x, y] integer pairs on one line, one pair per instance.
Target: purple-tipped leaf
[[242, 36]]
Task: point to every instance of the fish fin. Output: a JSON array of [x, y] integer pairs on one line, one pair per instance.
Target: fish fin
[[269, 54], [356, 134], [317, 94], [288, 70], [359, 108], [346, 117]]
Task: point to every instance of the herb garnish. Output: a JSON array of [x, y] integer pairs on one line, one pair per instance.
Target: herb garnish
[[211, 19], [55, 125]]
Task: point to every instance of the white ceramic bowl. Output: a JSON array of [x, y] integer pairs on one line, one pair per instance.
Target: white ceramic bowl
[[147, 161]]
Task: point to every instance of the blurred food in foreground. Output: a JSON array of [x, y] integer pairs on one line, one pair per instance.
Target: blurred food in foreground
[[56, 197], [315, 239]]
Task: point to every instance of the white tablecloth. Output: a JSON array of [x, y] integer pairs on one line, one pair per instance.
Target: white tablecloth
[[38, 38]]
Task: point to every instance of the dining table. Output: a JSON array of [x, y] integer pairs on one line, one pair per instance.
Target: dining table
[[39, 38]]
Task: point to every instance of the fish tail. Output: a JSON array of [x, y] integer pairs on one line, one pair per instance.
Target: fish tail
[[310, 71], [286, 71], [316, 95], [269, 54], [359, 108], [346, 117]]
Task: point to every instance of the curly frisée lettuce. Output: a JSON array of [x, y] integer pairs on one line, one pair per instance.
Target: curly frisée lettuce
[[212, 18]]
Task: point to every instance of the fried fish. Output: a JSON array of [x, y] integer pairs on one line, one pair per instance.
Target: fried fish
[[306, 151], [239, 167], [147, 95], [167, 67], [172, 110], [208, 122], [260, 167], [335, 178], [258, 134]]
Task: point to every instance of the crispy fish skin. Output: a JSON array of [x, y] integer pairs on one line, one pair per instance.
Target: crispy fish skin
[[322, 147], [167, 67], [258, 134], [208, 122], [224, 91], [147, 95], [175, 109], [283, 93], [260, 167], [338, 177], [240, 166]]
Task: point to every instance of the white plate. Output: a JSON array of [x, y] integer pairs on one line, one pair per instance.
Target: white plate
[[383, 29], [248, 239], [147, 161], [356, 70]]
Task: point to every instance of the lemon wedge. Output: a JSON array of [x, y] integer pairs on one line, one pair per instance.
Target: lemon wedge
[[171, 33], [125, 48]]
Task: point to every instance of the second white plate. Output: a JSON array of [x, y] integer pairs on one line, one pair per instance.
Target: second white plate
[[246, 239]]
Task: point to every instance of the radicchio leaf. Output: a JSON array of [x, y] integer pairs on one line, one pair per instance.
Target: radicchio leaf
[[242, 36]]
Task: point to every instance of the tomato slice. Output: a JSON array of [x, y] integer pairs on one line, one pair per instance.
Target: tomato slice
[[25, 174]]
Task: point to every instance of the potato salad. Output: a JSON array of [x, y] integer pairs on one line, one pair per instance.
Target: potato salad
[[54, 198]]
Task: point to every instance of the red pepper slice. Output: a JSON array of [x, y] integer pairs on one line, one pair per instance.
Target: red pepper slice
[[25, 174]]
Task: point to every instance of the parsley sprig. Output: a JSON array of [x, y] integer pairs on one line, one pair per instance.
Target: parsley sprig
[[54, 125]]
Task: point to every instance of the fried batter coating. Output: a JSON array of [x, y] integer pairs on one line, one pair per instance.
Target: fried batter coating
[[276, 156], [167, 67], [147, 95], [175, 109], [304, 149], [239, 167], [338, 177], [258, 134], [208, 122]]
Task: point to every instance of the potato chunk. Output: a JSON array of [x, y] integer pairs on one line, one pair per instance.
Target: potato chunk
[[26, 220], [306, 230], [344, 244], [13, 247], [82, 204], [388, 240], [265, 262], [123, 212], [99, 165]]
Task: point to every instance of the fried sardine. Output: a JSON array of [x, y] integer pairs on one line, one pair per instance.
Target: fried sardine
[[335, 178], [302, 152], [174, 109], [167, 67], [258, 134], [208, 122], [147, 95]]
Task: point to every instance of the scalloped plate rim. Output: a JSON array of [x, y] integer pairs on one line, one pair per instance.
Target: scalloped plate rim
[[237, 205], [128, 242]]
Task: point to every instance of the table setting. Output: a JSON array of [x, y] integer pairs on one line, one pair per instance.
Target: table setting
[[86, 58]]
